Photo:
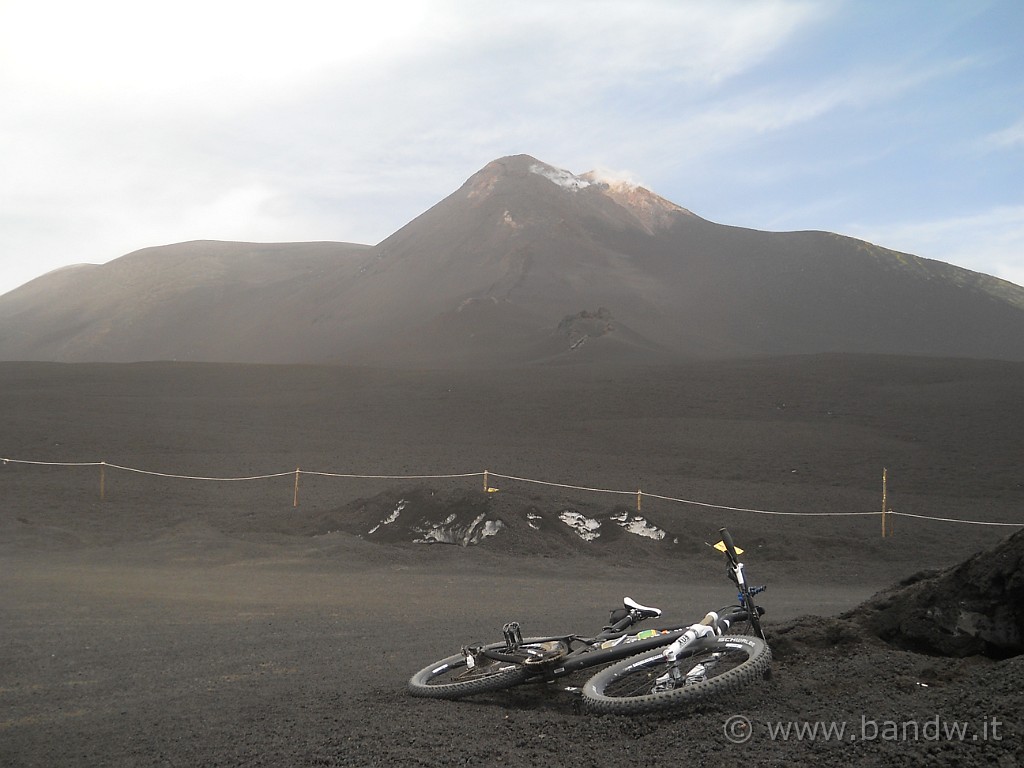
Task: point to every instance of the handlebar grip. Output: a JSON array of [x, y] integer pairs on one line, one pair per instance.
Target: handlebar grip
[[729, 546]]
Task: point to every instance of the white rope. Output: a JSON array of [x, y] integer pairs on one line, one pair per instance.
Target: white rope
[[54, 463], [757, 511], [562, 485], [235, 479], [488, 473], [956, 520], [195, 477], [388, 477]]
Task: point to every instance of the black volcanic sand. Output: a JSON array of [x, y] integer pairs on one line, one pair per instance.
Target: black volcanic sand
[[188, 622]]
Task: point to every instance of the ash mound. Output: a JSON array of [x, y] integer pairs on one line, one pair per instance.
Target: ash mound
[[975, 608], [501, 522]]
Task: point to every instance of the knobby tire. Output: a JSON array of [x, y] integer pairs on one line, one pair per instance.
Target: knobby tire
[[628, 687], [450, 678]]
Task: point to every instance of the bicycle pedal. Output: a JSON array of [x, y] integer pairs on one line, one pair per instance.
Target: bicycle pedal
[[513, 635]]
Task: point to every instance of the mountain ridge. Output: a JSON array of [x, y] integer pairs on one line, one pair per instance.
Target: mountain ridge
[[494, 273]]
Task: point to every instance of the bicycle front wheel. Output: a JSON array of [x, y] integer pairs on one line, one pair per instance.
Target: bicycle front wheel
[[454, 677], [650, 682]]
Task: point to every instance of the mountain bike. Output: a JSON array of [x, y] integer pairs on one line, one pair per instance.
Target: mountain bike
[[650, 669]]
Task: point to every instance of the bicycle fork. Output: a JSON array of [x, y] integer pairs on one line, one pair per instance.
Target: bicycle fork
[[676, 677]]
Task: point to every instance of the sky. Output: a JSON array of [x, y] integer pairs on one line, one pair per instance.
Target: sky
[[127, 124]]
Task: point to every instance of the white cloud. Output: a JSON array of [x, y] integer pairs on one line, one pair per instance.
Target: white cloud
[[192, 50], [722, 125], [602, 45], [1007, 138]]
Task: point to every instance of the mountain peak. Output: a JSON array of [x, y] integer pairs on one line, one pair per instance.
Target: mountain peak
[[650, 211], [482, 183]]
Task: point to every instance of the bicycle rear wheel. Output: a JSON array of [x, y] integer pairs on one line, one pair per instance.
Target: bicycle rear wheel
[[451, 678], [649, 682], [454, 677]]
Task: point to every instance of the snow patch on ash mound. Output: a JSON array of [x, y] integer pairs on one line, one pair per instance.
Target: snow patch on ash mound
[[421, 516], [502, 522], [589, 528]]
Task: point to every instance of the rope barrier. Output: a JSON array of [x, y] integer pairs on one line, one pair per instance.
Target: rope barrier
[[562, 485], [486, 474], [197, 477], [392, 477], [55, 463], [955, 520], [757, 511]]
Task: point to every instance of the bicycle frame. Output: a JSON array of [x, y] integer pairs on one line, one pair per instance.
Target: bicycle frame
[[570, 653], [493, 666], [589, 653]]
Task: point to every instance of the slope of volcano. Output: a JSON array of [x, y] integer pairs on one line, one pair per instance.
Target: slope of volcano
[[524, 263]]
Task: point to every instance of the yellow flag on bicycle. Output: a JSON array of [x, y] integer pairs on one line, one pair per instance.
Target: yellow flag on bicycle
[[720, 546]]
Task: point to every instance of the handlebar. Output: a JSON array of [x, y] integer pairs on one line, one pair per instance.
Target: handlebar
[[730, 548], [736, 574]]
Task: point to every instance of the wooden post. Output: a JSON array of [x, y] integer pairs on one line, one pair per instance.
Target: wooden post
[[885, 501], [638, 495], [486, 482], [103, 481], [295, 495]]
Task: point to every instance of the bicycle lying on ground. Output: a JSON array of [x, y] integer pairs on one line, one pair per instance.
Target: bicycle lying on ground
[[650, 670]]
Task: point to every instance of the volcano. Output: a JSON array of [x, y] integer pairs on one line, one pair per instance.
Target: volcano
[[524, 263]]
